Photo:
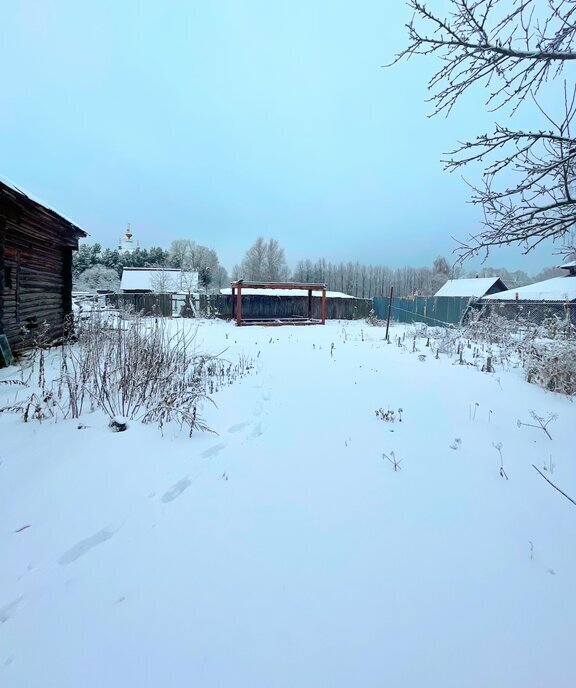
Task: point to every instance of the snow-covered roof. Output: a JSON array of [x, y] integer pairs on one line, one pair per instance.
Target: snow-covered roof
[[476, 286], [32, 199], [157, 279], [555, 289], [568, 265], [287, 292]]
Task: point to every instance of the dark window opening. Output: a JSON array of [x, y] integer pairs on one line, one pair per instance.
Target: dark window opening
[[8, 278]]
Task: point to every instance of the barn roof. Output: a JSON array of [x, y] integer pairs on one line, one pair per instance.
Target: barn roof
[[555, 289], [147, 279], [14, 197], [474, 287]]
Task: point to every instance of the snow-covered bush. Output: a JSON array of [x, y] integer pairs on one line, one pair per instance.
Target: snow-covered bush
[[544, 351], [141, 369], [372, 318], [557, 327], [552, 365], [132, 367]]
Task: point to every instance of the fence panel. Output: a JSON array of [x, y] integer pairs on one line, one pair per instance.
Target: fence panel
[[552, 315], [253, 306], [432, 310], [269, 307], [147, 304]]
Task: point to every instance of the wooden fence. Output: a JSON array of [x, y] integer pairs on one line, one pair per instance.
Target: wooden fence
[[253, 306], [270, 307], [146, 304]]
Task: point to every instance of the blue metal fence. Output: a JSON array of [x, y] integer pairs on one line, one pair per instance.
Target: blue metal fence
[[432, 310]]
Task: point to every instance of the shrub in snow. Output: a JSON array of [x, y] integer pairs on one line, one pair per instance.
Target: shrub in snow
[[140, 369], [133, 369], [553, 366], [547, 352], [372, 319]]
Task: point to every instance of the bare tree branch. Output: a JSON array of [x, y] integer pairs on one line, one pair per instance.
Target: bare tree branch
[[513, 53]]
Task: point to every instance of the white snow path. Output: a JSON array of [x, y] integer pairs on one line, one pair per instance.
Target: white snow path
[[285, 551]]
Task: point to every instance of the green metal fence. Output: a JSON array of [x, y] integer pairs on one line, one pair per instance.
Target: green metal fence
[[432, 310]]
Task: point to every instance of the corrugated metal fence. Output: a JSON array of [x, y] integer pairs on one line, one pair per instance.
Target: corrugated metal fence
[[433, 310]]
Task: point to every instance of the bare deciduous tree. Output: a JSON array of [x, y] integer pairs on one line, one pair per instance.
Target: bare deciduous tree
[[264, 260], [514, 50], [189, 255]]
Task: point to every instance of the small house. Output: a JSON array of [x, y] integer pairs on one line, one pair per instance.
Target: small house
[[36, 246], [555, 297], [475, 287], [158, 281]]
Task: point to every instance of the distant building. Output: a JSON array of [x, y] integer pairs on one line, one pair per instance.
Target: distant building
[[127, 243], [558, 289], [571, 267], [476, 287], [553, 298], [158, 280]]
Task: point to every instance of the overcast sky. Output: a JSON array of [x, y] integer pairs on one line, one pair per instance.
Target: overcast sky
[[222, 121]]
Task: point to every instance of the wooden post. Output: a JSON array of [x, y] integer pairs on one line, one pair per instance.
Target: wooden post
[[324, 306], [389, 312], [309, 304], [233, 303], [239, 307]]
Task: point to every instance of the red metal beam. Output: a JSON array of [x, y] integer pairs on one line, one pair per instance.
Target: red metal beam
[[315, 286]]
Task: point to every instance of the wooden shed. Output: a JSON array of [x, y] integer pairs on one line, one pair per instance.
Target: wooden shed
[[36, 246]]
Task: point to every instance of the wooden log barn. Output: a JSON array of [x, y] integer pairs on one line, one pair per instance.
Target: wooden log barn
[[36, 246]]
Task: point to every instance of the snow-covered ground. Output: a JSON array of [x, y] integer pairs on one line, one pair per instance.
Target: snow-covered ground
[[285, 550]]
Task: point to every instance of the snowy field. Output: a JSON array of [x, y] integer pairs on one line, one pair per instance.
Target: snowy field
[[285, 550]]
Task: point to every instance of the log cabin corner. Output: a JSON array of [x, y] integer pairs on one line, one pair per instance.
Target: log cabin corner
[[36, 246]]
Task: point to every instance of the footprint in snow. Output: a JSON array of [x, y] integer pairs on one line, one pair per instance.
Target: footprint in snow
[[84, 546], [7, 609], [176, 490], [256, 432], [212, 451], [239, 426]]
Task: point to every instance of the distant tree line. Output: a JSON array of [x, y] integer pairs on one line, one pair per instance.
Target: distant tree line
[[90, 255], [367, 281], [265, 261]]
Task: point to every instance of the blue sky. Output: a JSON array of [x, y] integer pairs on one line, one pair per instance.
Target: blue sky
[[223, 121]]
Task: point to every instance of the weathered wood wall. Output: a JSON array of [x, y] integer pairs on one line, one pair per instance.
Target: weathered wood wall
[[265, 307], [36, 266], [146, 304]]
